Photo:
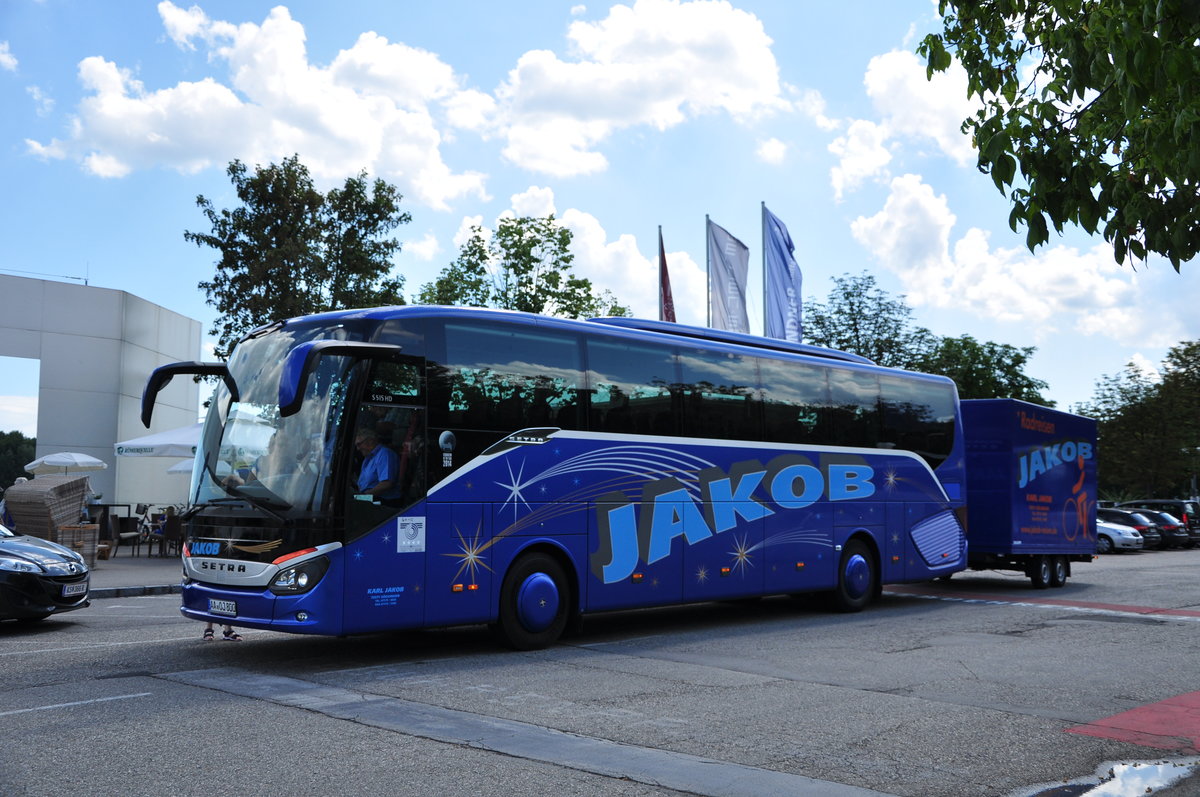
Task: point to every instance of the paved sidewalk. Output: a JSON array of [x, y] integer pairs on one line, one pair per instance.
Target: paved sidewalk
[[126, 575]]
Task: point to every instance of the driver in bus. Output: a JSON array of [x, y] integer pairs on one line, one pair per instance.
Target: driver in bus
[[380, 467]]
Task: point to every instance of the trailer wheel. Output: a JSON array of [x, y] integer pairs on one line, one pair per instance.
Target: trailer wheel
[[534, 603], [1059, 572], [1041, 574], [856, 578]]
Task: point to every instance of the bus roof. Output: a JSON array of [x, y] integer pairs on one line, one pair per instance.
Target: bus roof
[[634, 324], [723, 336]]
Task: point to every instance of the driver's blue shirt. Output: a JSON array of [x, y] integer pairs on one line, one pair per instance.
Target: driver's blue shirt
[[380, 465]]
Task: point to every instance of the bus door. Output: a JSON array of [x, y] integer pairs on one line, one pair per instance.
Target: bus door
[[385, 502]]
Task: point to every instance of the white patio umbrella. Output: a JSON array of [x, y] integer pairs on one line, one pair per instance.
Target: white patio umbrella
[[64, 462], [180, 442]]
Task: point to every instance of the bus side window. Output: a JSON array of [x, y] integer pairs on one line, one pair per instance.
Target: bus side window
[[630, 386], [720, 395]]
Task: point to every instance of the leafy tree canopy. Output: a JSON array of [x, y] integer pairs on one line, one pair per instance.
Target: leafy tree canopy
[[1149, 429], [983, 369], [290, 250], [862, 318], [16, 450], [1096, 103], [524, 265]]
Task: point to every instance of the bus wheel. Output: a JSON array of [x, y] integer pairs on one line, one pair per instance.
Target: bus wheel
[[1040, 573], [1058, 572], [534, 603], [856, 578]]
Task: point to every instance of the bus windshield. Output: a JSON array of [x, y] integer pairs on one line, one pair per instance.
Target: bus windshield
[[249, 452]]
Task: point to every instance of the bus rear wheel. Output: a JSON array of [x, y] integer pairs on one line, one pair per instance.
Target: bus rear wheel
[[856, 578], [534, 603]]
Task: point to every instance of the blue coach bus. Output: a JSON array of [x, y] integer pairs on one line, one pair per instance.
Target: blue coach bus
[[546, 468]]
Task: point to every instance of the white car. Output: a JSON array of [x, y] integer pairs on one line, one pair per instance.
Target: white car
[[1112, 537]]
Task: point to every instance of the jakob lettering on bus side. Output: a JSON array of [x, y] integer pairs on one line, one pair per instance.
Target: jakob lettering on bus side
[[669, 510]]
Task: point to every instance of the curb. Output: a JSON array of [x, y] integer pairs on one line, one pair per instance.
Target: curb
[[132, 592]]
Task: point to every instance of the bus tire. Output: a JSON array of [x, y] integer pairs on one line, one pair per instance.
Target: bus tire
[[856, 578], [1059, 571], [534, 603], [1040, 572]]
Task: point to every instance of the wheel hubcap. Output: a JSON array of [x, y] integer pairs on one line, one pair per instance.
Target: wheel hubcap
[[537, 602], [857, 576]]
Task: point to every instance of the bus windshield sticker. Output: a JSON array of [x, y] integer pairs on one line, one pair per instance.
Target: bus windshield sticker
[[410, 535]]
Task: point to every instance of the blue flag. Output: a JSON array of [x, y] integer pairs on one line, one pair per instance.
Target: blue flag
[[782, 302]]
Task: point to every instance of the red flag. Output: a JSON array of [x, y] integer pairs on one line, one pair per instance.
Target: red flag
[[666, 304]]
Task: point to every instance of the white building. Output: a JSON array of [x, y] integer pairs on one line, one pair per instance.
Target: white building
[[96, 347]]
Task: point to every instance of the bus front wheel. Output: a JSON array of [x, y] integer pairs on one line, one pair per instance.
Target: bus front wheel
[[856, 578], [534, 603]]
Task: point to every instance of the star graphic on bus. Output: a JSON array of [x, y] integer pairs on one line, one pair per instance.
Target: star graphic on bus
[[890, 479], [514, 487], [702, 574], [470, 556], [741, 555]]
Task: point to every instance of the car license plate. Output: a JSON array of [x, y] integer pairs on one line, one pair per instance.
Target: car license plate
[[70, 590], [227, 608]]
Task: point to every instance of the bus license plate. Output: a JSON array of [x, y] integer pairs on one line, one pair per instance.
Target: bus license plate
[[227, 608], [70, 590]]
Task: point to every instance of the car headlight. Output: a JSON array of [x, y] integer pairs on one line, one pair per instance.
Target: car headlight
[[299, 578], [18, 565]]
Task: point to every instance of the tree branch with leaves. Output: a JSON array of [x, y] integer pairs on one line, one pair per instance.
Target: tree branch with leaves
[[1091, 110]]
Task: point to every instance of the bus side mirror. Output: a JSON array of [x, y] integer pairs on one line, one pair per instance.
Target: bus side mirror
[[161, 376], [301, 360]]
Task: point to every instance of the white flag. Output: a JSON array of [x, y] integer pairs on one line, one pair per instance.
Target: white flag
[[728, 263]]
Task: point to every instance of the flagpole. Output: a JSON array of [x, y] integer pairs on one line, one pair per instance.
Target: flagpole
[[707, 275], [763, 203]]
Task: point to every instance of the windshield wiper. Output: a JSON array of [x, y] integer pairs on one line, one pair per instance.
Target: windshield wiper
[[266, 505]]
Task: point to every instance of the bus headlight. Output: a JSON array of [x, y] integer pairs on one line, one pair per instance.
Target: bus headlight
[[299, 578]]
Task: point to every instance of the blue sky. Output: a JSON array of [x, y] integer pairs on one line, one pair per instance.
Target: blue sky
[[617, 117]]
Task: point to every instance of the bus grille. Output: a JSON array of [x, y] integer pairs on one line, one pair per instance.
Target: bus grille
[[938, 539]]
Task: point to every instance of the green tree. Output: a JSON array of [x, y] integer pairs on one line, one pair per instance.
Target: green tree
[[983, 369], [525, 265], [1096, 103], [1149, 429], [290, 250], [15, 451], [862, 318]]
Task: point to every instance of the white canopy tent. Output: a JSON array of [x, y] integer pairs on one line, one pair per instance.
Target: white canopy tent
[[180, 442]]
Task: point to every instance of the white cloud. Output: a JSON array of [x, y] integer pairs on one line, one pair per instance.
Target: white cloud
[[19, 414], [375, 106], [912, 110], [917, 108], [863, 155], [7, 60], [654, 64], [1056, 290], [772, 151], [425, 249], [43, 105], [537, 202]]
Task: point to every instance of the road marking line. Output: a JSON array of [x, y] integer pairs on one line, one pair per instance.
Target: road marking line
[[76, 703], [644, 765], [1084, 607], [93, 646]]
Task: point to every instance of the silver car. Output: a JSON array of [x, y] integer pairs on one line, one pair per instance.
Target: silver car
[[1111, 537]]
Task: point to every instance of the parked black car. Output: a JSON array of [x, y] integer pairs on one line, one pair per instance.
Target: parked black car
[[1187, 511], [39, 578], [1145, 526], [1174, 533]]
